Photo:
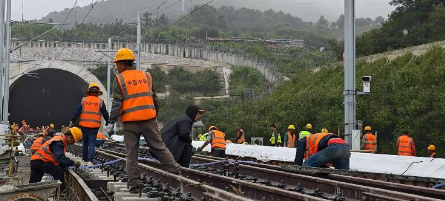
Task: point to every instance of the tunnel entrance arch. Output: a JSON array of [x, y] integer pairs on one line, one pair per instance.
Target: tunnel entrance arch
[[42, 95]]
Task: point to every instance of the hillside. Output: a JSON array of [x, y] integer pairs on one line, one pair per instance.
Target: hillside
[[407, 93]]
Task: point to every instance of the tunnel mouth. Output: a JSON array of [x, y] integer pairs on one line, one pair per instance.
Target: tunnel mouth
[[45, 96]]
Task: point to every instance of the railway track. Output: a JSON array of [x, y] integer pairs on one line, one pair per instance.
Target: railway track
[[266, 182]]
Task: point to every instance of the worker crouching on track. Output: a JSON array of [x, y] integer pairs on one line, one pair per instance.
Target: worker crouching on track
[[89, 112], [135, 102], [176, 135], [323, 148], [217, 139], [51, 159]]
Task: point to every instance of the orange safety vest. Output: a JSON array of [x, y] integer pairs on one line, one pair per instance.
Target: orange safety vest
[[241, 139], [100, 136], [90, 117], [405, 146], [137, 90], [37, 143], [370, 140], [45, 154], [218, 140], [312, 142], [291, 141]]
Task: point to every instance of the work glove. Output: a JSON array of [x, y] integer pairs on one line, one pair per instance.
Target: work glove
[[110, 129], [71, 124]]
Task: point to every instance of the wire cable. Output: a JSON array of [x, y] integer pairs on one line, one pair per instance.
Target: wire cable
[[92, 6]]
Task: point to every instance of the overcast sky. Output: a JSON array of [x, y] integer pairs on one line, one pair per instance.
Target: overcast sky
[[36, 9]]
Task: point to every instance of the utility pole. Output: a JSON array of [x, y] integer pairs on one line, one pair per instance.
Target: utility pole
[[350, 90], [109, 76], [2, 46], [7, 62], [138, 46]]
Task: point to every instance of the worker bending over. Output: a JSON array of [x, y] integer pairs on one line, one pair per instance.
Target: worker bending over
[[176, 135], [41, 139], [51, 159], [217, 139], [323, 148]]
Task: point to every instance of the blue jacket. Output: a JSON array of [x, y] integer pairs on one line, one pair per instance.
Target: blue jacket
[[78, 110], [57, 148]]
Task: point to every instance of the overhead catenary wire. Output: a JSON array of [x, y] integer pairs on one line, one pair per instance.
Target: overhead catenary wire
[[188, 15], [92, 6]]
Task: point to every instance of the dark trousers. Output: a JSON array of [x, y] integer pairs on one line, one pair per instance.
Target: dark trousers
[[88, 143], [219, 153], [39, 168], [186, 156], [99, 143], [337, 154]]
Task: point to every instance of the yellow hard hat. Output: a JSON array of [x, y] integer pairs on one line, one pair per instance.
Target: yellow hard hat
[[291, 127], [94, 87], [51, 125], [76, 132], [124, 54], [324, 130], [432, 148], [309, 126], [213, 128], [368, 128]]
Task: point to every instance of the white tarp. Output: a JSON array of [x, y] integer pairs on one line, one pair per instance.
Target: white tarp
[[378, 163]]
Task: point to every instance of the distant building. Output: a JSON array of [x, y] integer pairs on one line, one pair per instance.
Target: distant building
[[278, 43]]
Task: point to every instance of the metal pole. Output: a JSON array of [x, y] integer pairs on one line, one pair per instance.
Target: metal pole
[[350, 90], [138, 47], [109, 76], [7, 62], [2, 46]]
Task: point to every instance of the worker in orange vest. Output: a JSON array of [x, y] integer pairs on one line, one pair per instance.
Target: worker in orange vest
[[368, 140], [322, 148], [406, 145], [89, 112], [217, 139], [100, 139], [135, 102], [51, 159], [289, 137], [240, 135], [432, 151], [41, 139]]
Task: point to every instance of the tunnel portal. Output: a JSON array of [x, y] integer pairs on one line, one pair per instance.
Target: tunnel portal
[[46, 96]]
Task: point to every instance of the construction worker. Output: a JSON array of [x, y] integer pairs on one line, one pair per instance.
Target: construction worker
[[368, 140], [322, 148], [406, 146], [275, 135], [217, 139], [432, 151], [51, 128], [239, 135], [176, 135], [41, 139], [324, 130], [25, 129], [100, 139], [307, 131], [289, 137], [201, 137], [89, 112], [51, 159], [135, 103]]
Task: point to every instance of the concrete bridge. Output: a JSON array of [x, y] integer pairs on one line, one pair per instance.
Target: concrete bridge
[[48, 79]]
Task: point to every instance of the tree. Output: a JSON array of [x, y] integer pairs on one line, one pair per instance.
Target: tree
[[322, 21]]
